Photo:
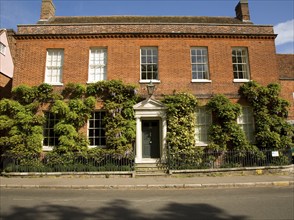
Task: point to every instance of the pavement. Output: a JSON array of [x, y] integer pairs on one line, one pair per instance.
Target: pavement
[[148, 182]]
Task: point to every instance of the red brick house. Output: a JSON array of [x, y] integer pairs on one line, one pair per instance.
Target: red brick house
[[199, 55]]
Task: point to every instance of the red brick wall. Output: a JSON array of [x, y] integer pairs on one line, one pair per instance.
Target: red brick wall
[[287, 92], [174, 62], [286, 72]]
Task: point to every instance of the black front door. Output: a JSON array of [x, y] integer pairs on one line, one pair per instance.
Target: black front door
[[150, 139]]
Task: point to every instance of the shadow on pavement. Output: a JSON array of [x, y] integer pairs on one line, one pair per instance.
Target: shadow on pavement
[[122, 210]]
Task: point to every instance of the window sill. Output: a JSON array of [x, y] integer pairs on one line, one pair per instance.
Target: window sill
[[148, 81], [47, 148], [241, 80], [201, 81], [95, 146], [201, 144], [54, 83]]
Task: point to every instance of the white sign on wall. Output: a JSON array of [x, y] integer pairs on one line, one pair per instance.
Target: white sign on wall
[[275, 153]]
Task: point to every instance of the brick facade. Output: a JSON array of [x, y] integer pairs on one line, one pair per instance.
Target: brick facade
[[123, 36], [174, 62]]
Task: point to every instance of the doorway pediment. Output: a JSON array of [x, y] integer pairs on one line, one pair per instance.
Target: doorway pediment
[[149, 104]]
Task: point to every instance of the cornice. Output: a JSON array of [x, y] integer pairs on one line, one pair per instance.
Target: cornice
[[141, 35]]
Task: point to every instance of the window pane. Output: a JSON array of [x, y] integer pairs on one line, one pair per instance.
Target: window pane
[[97, 64], [149, 64], [103, 141], [97, 132], [240, 63], [54, 63], [50, 137], [246, 122], [199, 63], [203, 122]]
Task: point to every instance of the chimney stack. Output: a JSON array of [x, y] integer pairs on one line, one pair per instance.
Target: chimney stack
[[47, 10], [242, 11]]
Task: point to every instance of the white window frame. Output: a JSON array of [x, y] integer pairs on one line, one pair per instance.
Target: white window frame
[[47, 128], [203, 123], [199, 58], [240, 63], [54, 66], [96, 128], [97, 70], [246, 122], [2, 48], [149, 61]]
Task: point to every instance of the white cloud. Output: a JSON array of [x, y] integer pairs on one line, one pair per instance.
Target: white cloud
[[287, 48], [285, 32]]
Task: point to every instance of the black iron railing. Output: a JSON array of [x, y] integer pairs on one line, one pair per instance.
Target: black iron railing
[[67, 163], [229, 159], [117, 162]]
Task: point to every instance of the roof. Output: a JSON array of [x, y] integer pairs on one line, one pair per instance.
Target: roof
[[286, 66], [141, 19]]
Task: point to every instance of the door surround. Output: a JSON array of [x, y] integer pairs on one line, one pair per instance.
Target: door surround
[[150, 109]]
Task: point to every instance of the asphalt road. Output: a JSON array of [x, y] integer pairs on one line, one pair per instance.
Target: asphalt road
[[244, 203]]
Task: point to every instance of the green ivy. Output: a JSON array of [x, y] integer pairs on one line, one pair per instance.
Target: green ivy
[[21, 126], [225, 133], [270, 113], [119, 100], [181, 118], [21, 129]]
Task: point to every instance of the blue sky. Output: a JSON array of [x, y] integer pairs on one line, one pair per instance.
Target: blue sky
[[279, 13]]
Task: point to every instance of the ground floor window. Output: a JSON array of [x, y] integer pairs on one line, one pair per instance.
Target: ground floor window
[[203, 122], [246, 122], [96, 129], [50, 137]]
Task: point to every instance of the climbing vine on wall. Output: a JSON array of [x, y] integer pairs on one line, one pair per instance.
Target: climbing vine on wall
[[21, 120], [225, 133], [118, 104], [270, 112], [21, 127], [181, 120]]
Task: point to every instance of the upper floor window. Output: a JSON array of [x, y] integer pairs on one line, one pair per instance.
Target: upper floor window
[[246, 122], [51, 139], [2, 48], [149, 64], [199, 61], [96, 129], [54, 64], [240, 64], [97, 64], [203, 122]]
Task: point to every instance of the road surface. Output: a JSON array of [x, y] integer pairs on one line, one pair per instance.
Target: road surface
[[240, 204]]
